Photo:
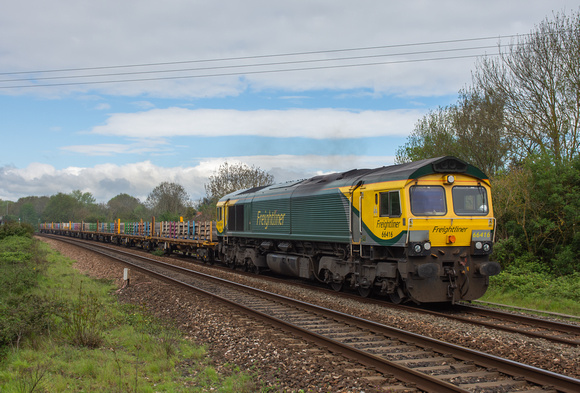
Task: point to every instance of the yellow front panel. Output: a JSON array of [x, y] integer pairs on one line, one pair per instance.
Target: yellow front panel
[[450, 228]]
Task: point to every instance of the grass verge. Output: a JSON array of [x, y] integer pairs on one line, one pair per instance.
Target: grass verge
[[89, 342], [536, 290]]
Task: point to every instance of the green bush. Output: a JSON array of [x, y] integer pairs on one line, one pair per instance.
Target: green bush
[[538, 215], [523, 283], [16, 229], [18, 265], [25, 315], [82, 326], [21, 312]]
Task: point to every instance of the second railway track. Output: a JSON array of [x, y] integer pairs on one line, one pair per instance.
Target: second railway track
[[430, 364]]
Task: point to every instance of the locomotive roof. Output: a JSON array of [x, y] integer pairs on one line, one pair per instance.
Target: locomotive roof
[[407, 171], [416, 169]]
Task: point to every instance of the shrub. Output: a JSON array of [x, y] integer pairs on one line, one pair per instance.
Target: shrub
[[82, 326], [538, 214], [25, 315], [21, 313], [16, 229], [523, 283]]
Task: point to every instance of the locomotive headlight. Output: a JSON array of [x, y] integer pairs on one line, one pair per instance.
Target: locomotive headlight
[[481, 248], [449, 179], [427, 246], [418, 248]]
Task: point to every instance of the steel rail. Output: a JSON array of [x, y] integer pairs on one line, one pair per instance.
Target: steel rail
[[532, 321], [474, 303]]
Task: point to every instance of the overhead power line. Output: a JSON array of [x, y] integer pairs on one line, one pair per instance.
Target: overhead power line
[[242, 73], [263, 56], [252, 65], [69, 73]]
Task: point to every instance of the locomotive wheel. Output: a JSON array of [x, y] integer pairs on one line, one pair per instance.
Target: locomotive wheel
[[337, 286], [395, 298], [365, 292]]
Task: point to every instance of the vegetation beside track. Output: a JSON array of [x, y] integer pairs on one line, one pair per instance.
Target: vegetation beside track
[[536, 290], [61, 331]]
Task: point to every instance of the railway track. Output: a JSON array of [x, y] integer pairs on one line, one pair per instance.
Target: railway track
[[431, 365], [525, 324], [528, 325], [529, 310]]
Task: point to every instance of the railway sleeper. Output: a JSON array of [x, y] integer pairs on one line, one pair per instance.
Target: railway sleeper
[[503, 384], [470, 375]]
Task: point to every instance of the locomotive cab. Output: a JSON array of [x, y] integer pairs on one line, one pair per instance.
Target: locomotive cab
[[430, 236]]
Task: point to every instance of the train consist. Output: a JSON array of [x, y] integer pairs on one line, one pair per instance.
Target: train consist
[[420, 231]]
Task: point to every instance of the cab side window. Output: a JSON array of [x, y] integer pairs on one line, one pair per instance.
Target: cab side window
[[390, 204]]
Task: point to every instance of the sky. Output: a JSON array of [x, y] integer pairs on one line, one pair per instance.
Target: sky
[[112, 97]]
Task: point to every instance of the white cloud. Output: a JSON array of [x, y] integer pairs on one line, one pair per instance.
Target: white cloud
[[138, 179], [143, 146], [306, 123]]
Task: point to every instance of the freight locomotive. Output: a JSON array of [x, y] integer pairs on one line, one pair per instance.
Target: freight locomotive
[[420, 232]]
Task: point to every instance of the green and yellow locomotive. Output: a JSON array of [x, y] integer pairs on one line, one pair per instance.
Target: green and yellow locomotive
[[421, 231]]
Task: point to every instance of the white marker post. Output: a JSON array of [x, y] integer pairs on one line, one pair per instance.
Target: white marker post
[[126, 276]]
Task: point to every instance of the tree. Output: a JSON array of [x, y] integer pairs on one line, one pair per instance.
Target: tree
[[125, 207], [205, 208], [478, 123], [433, 136], [76, 206], [60, 208], [28, 214], [538, 78], [168, 201], [471, 130], [30, 208], [83, 198], [232, 177]]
